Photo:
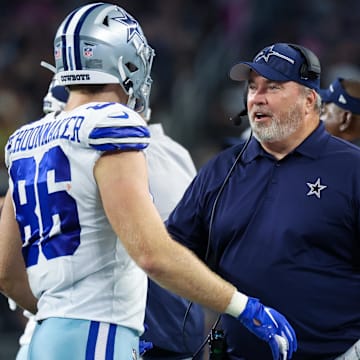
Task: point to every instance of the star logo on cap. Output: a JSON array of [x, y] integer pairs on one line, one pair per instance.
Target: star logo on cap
[[265, 54], [316, 188], [131, 24], [342, 99], [269, 51]]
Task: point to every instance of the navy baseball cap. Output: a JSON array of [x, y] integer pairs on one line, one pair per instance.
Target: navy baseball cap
[[336, 94], [281, 62]]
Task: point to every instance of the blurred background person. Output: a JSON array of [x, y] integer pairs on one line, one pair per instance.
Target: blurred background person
[[341, 109]]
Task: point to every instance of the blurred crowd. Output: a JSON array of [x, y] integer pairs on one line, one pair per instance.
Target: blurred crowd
[[196, 42]]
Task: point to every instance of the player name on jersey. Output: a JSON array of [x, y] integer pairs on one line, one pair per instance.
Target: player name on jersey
[[41, 134]]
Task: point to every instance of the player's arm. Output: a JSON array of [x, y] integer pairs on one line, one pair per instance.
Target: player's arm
[[2, 198], [13, 277], [123, 186]]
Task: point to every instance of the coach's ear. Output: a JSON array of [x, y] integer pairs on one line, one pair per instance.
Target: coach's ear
[[345, 120], [310, 100]]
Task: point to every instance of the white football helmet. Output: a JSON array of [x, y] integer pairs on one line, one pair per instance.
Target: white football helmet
[[101, 43], [56, 97]]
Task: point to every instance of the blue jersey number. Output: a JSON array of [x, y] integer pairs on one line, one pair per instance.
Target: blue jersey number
[[46, 213]]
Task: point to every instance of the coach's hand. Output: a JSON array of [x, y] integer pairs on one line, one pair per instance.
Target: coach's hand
[[270, 326]]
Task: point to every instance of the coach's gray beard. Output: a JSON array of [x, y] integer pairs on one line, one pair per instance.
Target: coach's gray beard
[[280, 127]]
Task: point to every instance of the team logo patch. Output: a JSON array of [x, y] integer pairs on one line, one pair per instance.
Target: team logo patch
[[342, 99], [316, 188], [269, 51], [88, 51], [133, 28], [57, 52]]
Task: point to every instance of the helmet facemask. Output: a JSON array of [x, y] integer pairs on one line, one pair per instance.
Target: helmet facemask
[[138, 91]]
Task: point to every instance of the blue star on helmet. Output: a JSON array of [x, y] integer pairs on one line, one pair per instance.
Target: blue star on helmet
[[131, 24], [269, 51]]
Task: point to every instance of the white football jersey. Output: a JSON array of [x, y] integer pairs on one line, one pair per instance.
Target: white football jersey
[[77, 266], [170, 168]]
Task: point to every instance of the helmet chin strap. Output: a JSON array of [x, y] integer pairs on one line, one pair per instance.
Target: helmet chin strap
[[131, 100], [146, 114]]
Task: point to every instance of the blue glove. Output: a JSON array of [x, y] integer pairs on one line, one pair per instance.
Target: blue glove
[[270, 326], [144, 346]]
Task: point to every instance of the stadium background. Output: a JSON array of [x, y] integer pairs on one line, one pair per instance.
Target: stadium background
[[195, 42]]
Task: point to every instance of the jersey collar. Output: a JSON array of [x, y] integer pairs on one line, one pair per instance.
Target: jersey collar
[[311, 147]]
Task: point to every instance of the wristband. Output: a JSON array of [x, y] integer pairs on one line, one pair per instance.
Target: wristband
[[237, 304]]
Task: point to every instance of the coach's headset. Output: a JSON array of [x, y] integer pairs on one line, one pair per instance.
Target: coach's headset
[[310, 69]]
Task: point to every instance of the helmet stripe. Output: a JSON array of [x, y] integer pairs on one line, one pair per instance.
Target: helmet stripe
[[77, 37], [70, 37], [63, 40]]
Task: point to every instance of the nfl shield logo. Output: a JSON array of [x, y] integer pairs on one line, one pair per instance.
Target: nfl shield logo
[[57, 53], [88, 51]]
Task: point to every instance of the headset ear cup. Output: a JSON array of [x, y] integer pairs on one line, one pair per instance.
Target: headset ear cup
[[311, 68], [304, 71]]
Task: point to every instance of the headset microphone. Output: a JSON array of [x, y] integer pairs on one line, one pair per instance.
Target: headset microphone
[[240, 117]]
